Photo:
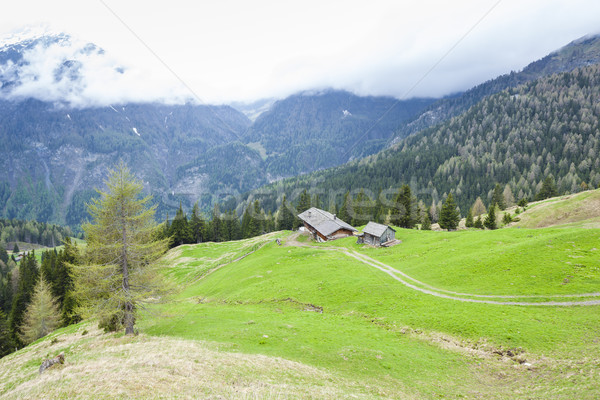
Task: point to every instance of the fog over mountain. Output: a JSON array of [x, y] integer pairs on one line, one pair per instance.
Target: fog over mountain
[[60, 68], [246, 51]]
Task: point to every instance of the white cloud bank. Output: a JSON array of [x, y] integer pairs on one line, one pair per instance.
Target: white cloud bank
[[79, 74], [240, 50]]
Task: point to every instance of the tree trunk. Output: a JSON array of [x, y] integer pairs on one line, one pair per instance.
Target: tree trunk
[[128, 319]]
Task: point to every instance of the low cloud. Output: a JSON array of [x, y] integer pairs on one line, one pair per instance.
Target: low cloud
[[245, 51], [79, 75]]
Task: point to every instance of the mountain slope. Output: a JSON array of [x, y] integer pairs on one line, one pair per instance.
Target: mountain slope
[[53, 157], [517, 137], [579, 53], [310, 131]]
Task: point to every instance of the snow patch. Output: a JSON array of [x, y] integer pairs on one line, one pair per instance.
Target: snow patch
[[29, 34], [69, 117], [114, 109], [346, 113], [136, 131]]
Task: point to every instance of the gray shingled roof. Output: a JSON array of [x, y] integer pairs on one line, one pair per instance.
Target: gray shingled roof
[[375, 229], [323, 221]]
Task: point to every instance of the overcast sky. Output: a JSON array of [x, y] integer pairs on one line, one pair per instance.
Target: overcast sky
[[230, 50]]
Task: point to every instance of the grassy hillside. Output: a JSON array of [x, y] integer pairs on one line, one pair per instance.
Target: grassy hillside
[[252, 319], [101, 366], [576, 210]]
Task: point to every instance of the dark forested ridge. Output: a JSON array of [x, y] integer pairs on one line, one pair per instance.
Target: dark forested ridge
[[579, 53], [518, 137]]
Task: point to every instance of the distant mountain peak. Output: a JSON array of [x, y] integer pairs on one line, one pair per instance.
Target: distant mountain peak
[[31, 34], [52, 66]]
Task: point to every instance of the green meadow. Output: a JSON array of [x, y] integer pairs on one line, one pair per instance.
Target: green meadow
[[512, 313], [316, 305]]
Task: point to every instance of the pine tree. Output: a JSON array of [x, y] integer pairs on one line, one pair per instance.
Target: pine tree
[[303, 202], [197, 225], [469, 219], [523, 202], [28, 276], [449, 215], [490, 220], [403, 212], [258, 216], [42, 315], [247, 223], [118, 273], [6, 292], [498, 197], [216, 225], [303, 205], [231, 225], [65, 285], [344, 213], [16, 249], [269, 223], [3, 254], [478, 223], [285, 218], [548, 189], [362, 209], [316, 201], [7, 345], [180, 231], [426, 225]]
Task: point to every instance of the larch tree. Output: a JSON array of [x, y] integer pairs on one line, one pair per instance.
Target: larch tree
[[478, 207], [123, 245], [509, 198], [42, 315]]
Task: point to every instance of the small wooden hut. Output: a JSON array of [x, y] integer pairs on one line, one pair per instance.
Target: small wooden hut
[[376, 234]]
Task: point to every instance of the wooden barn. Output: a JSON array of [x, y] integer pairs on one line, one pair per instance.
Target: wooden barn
[[325, 226], [377, 234]]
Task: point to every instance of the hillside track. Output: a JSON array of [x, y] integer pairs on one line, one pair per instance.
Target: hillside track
[[446, 294], [422, 287]]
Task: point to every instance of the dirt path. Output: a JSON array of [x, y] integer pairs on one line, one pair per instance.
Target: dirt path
[[447, 294], [436, 292]]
